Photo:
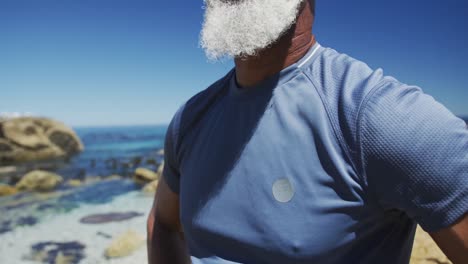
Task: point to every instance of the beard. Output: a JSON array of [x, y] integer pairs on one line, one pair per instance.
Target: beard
[[242, 28]]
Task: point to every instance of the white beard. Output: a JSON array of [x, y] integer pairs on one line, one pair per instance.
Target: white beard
[[241, 28]]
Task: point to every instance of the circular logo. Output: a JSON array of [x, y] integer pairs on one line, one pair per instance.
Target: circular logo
[[283, 190]]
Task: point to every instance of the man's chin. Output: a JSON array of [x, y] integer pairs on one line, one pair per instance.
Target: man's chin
[[245, 29]]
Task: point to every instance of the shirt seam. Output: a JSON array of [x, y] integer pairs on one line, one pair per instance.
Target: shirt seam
[[336, 131], [358, 123], [359, 139]]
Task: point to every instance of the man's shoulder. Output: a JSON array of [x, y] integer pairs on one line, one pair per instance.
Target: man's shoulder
[[334, 73], [344, 84], [198, 104]]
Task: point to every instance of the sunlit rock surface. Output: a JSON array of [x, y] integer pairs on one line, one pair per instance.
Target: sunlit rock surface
[[26, 139]]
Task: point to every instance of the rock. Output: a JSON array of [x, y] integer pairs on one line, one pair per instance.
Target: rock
[[136, 161], [5, 227], [92, 179], [124, 245], [7, 170], [160, 169], [425, 250], [108, 217], [27, 221], [39, 180], [151, 187], [151, 161], [57, 252], [113, 177], [6, 190], [74, 183], [143, 175], [25, 139], [102, 234]]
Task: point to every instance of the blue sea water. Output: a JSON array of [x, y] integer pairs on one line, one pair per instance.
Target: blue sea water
[[108, 151], [115, 150]]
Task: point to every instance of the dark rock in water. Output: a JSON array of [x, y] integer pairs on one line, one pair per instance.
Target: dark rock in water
[[151, 161], [136, 161], [109, 217], [27, 220], [46, 206], [81, 175], [99, 233], [57, 252], [111, 163], [5, 227]]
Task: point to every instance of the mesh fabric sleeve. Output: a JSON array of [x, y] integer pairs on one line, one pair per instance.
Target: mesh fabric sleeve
[[414, 154], [171, 172]]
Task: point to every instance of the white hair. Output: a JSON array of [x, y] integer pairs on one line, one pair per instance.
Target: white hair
[[239, 28]]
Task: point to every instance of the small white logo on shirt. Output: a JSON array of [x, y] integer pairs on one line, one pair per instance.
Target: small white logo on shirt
[[283, 190]]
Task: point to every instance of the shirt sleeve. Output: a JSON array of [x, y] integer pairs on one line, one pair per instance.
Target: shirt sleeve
[[171, 171], [414, 154]]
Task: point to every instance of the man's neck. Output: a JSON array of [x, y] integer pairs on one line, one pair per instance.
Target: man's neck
[[286, 51]]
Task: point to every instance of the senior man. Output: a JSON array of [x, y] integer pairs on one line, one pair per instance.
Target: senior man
[[301, 154]]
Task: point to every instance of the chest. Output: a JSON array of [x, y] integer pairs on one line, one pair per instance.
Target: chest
[[273, 185]]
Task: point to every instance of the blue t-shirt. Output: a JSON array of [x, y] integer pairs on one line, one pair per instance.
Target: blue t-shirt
[[327, 161]]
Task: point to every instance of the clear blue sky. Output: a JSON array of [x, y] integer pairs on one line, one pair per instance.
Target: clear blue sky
[[114, 62]]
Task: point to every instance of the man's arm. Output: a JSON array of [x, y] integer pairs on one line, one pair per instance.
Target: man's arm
[[453, 241], [415, 159], [165, 237]]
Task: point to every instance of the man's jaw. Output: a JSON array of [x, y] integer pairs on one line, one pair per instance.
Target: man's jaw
[[243, 28]]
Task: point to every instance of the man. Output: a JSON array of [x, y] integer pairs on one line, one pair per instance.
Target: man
[[304, 155]]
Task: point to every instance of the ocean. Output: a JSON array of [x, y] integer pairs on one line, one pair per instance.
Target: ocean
[[116, 150], [108, 151]]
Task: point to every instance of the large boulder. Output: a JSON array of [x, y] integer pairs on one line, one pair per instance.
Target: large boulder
[[39, 180], [25, 139], [124, 245]]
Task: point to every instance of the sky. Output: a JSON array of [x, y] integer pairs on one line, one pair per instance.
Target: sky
[[131, 62]]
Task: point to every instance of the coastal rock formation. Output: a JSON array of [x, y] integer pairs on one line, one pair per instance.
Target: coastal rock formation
[[151, 187], [39, 180], [143, 175], [7, 190], [124, 245], [31, 139], [108, 217]]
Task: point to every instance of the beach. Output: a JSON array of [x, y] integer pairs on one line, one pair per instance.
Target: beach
[[15, 246]]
